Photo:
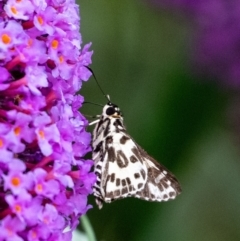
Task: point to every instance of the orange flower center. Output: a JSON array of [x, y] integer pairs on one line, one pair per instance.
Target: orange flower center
[[18, 208], [14, 10], [41, 134], [15, 181], [1, 143], [40, 20], [6, 38], [30, 42], [54, 44], [39, 187], [17, 130], [61, 59]]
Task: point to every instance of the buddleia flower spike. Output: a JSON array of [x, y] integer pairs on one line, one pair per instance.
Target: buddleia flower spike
[[45, 180]]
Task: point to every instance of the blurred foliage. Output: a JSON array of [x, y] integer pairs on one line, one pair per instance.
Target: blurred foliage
[[141, 60]]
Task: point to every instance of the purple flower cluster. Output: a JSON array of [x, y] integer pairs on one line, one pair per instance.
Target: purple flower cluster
[[216, 49], [44, 179]]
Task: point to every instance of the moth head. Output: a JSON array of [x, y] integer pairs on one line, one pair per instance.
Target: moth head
[[111, 110]]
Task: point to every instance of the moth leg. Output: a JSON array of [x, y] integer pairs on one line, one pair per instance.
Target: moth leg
[[99, 202], [94, 122]]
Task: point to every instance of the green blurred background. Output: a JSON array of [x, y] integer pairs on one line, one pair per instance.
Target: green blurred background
[[141, 58]]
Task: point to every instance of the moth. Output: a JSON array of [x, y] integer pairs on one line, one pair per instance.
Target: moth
[[122, 167]]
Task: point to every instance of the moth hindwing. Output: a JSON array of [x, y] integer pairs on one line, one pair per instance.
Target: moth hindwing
[[122, 167]]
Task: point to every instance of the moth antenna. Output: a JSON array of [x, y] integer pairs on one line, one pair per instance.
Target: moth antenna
[[88, 102], [106, 96]]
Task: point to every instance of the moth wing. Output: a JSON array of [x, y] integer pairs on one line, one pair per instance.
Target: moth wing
[[124, 172], [161, 184]]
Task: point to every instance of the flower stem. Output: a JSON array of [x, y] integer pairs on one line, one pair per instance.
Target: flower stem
[[88, 228]]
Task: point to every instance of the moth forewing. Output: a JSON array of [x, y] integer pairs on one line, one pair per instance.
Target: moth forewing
[[123, 168]]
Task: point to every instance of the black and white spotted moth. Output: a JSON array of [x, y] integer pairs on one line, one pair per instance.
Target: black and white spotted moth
[[122, 167]]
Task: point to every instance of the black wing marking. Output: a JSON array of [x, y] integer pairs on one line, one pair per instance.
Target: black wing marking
[[161, 184]]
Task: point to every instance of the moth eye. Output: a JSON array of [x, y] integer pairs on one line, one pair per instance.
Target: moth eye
[[110, 111]]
